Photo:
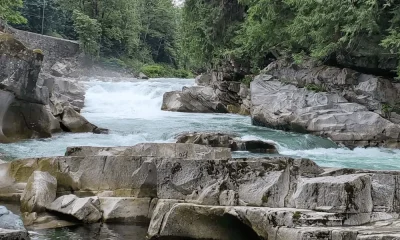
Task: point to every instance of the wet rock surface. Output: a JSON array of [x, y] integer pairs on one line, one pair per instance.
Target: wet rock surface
[[339, 104], [212, 95], [31, 106], [11, 226], [203, 196], [232, 141]]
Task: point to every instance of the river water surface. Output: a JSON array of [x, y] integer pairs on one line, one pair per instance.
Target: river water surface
[[131, 110]]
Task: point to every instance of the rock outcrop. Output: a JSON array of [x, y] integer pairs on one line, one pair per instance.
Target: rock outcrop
[[211, 96], [11, 226], [86, 210], [27, 108], [232, 141], [168, 150], [204, 198], [339, 104], [40, 192]]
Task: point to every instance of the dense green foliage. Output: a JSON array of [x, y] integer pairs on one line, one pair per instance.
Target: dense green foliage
[[156, 35], [156, 71], [9, 11], [56, 22], [258, 29], [119, 33]]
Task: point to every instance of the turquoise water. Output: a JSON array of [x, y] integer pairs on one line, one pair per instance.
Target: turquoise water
[[131, 110]]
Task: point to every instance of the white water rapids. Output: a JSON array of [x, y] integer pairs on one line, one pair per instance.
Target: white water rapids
[[131, 110]]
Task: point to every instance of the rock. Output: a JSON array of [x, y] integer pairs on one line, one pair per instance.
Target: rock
[[143, 76], [42, 221], [198, 197], [83, 209], [183, 220], [24, 102], [211, 96], [368, 90], [74, 122], [216, 139], [39, 193], [29, 120], [19, 68], [6, 234], [342, 194], [132, 210], [194, 99], [204, 79], [168, 150], [60, 69], [9, 220], [287, 107], [64, 90], [145, 180]]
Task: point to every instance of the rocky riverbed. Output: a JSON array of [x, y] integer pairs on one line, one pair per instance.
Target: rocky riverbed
[[198, 192]]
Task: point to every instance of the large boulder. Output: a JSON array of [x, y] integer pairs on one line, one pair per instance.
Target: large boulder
[[72, 121], [30, 106], [9, 220], [11, 226], [86, 209], [23, 111], [19, 70], [285, 106], [368, 90], [64, 90], [232, 141], [210, 96], [39, 193], [137, 210], [194, 99]]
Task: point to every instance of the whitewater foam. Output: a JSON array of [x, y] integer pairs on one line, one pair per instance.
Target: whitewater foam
[[132, 112]]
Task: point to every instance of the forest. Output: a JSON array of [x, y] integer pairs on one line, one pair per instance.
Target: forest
[[202, 34]]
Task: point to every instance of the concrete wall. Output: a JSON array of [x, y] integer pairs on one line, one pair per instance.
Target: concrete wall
[[53, 48]]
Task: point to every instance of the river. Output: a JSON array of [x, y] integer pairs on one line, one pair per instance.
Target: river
[[131, 110]]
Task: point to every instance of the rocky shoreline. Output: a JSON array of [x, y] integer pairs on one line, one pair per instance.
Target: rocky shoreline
[[348, 107], [192, 191], [35, 104]]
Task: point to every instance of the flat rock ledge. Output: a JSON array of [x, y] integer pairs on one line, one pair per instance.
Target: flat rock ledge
[[196, 196], [232, 141]]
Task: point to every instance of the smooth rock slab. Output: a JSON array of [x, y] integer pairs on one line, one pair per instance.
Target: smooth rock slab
[[184, 220], [84, 209], [39, 193], [133, 210], [341, 194], [169, 150]]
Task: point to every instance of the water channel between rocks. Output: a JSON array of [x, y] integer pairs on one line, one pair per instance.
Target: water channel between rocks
[[131, 110]]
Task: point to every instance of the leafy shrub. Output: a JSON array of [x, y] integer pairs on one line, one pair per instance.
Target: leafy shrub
[[315, 87], [182, 73], [157, 71], [114, 63], [154, 71], [247, 80]]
